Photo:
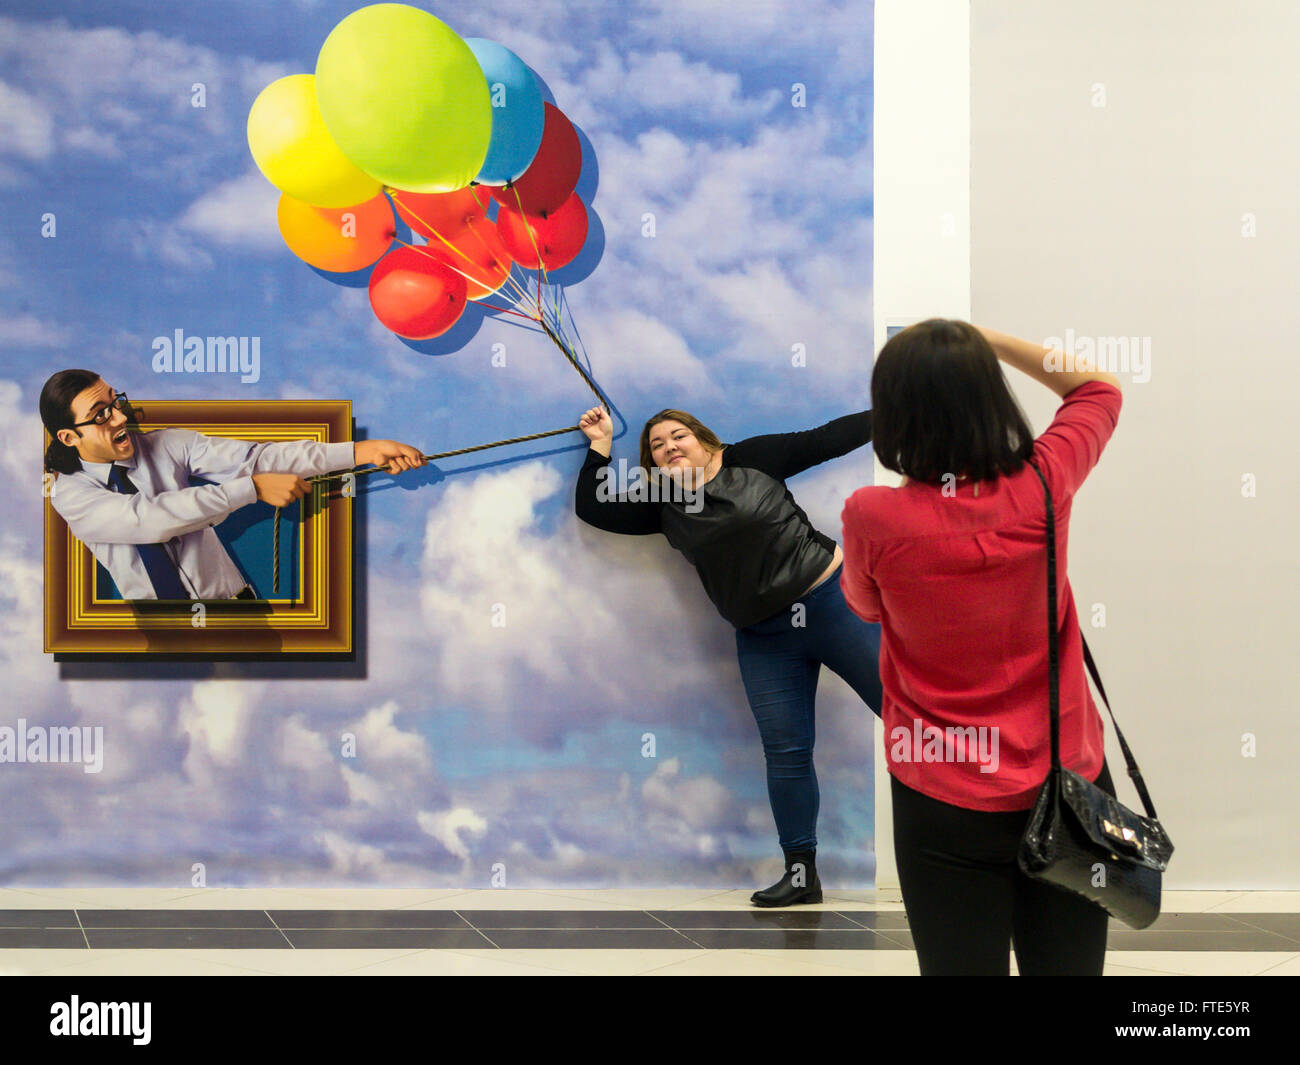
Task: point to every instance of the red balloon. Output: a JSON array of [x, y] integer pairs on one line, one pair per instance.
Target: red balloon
[[416, 295], [552, 174], [446, 212], [476, 251], [558, 235]]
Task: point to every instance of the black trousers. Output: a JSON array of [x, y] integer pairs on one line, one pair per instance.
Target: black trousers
[[967, 901]]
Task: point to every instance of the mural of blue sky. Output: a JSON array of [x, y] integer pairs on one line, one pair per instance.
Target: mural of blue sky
[[518, 748]]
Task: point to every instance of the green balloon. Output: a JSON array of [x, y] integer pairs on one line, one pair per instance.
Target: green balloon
[[404, 98]]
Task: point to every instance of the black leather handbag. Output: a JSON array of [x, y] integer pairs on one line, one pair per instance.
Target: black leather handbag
[[1079, 838]]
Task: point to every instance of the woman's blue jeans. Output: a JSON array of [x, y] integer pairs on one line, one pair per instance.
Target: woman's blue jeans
[[780, 659]]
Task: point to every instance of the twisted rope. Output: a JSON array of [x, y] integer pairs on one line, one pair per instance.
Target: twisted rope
[[361, 471]]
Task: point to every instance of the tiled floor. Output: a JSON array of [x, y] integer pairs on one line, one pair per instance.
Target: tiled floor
[[115, 931]]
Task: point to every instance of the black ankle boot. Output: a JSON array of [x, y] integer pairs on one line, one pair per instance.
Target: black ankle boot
[[800, 883]]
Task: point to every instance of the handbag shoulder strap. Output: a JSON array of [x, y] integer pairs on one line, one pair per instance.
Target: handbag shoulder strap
[[1054, 701]]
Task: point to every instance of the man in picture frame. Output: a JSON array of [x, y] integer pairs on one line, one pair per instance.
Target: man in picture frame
[[127, 495]]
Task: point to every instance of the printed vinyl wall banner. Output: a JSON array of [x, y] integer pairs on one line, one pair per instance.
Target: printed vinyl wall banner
[[407, 380]]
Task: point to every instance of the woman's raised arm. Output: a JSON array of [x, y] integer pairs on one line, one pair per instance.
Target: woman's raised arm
[[1034, 359], [595, 498]]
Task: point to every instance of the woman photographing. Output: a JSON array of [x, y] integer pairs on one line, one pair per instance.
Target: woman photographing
[[953, 564]]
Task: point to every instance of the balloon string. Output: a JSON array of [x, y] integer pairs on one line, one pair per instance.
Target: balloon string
[[543, 275], [453, 247], [428, 255], [449, 244], [541, 266], [517, 286]]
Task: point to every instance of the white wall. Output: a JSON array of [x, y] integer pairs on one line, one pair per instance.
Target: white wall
[[922, 211], [1132, 219], [1128, 219]]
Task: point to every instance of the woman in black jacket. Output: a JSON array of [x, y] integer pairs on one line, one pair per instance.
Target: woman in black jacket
[[768, 571]]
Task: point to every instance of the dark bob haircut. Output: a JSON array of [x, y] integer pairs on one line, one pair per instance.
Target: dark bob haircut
[[56, 413], [940, 406]]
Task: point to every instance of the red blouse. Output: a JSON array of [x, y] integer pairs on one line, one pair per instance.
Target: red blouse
[[958, 583]]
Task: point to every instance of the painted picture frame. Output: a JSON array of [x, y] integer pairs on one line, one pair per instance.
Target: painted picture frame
[[310, 612]]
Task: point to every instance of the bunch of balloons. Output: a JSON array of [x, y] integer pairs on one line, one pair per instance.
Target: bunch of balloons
[[452, 132]]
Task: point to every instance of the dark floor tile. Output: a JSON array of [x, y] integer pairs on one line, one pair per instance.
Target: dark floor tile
[[377, 938], [288, 919], [1121, 938], [42, 937], [189, 938], [487, 919], [790, 939], [1282, 924], [1191, 922], [174, 919], [756, 918], [898, 938], [881, 920], [589, 938], [38, 919]]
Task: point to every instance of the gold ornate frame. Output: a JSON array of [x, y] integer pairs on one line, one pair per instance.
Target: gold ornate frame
[[318, 621]]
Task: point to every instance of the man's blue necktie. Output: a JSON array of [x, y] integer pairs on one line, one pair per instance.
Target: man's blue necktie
[[162, 571]]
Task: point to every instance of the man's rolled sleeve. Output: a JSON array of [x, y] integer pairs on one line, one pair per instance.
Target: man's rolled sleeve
[[95, 515], [221, 458]]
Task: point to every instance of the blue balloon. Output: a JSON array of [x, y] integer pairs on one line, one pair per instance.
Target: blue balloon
[[517, 112]]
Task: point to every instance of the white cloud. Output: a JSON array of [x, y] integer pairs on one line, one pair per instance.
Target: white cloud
[[350, 858], [596, 621], [154, 240], [240, 211], [641, 352], [28, 331], [217, 717], [446, 827], [699, 803], [83, 67], [116, 94], [742, 28], [303, 749], [386, 750], [26, 127], [663, 82], [93, 141]]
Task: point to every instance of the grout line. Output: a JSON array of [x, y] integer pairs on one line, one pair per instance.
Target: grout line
[[441, 898], [675, 961], [1240, 918], [688, 939], [1224, 902], [1284, 961], [470, 952], [385, 961], [898, 943], [279, 929], [476, 928]]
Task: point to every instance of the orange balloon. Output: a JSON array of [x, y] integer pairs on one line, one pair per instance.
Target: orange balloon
[[338, 239], [477, 252]]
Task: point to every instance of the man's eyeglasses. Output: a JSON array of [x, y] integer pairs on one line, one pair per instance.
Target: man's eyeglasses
[[120, 402]]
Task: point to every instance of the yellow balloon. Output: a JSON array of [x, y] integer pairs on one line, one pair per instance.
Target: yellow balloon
[[295, 151]]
